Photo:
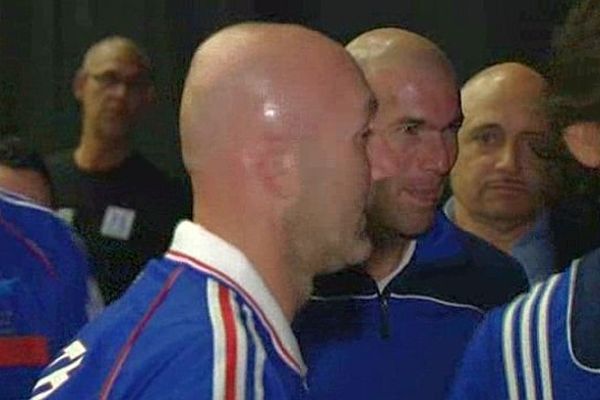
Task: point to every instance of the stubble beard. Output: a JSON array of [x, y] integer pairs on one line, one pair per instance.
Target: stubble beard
[[387, 225]]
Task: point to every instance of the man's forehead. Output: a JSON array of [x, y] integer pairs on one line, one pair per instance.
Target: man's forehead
[[510, 119], [501, 106], [421, 98], [395, 81], [116, 59]]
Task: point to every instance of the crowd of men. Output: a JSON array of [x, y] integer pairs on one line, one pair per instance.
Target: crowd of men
[[319, 259]]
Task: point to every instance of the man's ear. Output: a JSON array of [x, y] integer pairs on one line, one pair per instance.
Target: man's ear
[[275, 165], [583, 140], [78, 83]]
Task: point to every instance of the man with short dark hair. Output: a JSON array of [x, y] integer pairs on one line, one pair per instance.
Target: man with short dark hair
[[118, 201]]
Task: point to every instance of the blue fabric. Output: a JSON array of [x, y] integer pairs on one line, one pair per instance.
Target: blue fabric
[[533, 347], [535, 251], [163, 334], [405, 342], [43, 290]]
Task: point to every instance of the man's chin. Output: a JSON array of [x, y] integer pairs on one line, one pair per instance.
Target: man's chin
[[115, 127], [360, 251], [418, 226], [355, 253]]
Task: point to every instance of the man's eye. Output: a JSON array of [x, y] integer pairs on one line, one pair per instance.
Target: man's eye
[[106, 79], [486, 137], [409, 129]]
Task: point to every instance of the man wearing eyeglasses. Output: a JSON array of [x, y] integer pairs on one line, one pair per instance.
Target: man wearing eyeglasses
[[121, 204]]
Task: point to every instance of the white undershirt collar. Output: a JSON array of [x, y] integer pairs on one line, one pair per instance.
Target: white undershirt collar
[[406, 257]]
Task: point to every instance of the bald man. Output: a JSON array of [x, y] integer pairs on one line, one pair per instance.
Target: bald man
[[502, 188], [274, 126], [398, 323], [499, 183], [118, 201], [544, 345]]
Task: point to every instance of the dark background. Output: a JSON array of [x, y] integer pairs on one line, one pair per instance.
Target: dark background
[[42, 41]]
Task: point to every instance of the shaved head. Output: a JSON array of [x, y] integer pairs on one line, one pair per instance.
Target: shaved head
[[413, 146], [392, 47], [274, 120], [107, 47], [499, 182], [114, 89], [258, 75], [509, 80]]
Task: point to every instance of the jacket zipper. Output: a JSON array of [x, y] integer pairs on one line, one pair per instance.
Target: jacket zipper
[[384, 328]]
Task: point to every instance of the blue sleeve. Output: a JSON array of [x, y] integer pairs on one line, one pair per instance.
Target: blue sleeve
[[480, 375], [73, 273], [82, 373]]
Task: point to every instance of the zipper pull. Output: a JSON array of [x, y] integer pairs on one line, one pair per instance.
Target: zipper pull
[[385, 316]]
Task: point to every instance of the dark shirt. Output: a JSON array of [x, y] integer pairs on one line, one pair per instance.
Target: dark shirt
[[125, 215], [404, 341]]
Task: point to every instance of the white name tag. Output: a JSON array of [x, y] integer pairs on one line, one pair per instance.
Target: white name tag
[[117, 222]]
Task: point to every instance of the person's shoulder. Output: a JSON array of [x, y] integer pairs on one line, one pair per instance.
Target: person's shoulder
[[61, 166], [482, 254], [503, 272], [453, 242], [584, 319], [41, 226], [140, 164], [590, 262], [170, 194], [143, 330], [491, 258], [19, 208], [459, 263]]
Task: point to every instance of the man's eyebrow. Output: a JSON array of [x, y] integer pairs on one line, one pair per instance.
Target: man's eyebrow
[[489, 125]]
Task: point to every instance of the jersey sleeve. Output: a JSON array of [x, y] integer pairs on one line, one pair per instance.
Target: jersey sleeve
[[480, 375], [73, 271]]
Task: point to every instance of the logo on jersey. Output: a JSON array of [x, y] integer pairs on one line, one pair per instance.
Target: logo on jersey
[[59, 371]]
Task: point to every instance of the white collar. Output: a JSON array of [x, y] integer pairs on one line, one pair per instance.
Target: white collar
[[20, 200], [406, 257], [202, 250]]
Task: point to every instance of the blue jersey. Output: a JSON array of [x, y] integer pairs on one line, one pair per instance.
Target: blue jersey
[[43, 292], [198, 323], [405, 341], [544, 345]]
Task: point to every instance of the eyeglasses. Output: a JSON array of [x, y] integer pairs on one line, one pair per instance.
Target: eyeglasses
[[110, 80]]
